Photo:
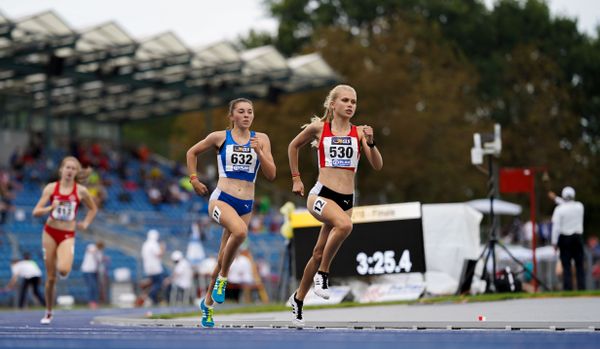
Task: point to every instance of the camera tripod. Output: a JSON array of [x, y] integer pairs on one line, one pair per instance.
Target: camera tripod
[[489, 252]]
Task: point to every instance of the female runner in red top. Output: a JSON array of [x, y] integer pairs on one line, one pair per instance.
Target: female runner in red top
[[58, 237], [330, 201]]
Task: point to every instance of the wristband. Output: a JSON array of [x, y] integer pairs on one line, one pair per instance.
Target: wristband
[[297, 174], [193, 176], [372, 145]]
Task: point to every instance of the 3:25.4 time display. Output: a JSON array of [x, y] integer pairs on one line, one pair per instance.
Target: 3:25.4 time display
[[383, 263]]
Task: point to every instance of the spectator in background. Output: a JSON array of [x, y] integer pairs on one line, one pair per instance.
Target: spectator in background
[[256, 225], [178, 170], [143, 153], [593, 245], [103, 279], [17, 163], [527, 283], [263, 205], [545, 231], [567, 235], [275, 223], [96, 189], [34, 148], [155, 174], [195, 250], [152, 252], [181, 278], [128, 185], [527, 231], [6, 195], [31, 274], [174, 193], [241, 277], [83, 154], [99, 158], [264, 268], [246, 277], [155, 196], [3, 215], [4, 209], [89, 268], [156, 186]]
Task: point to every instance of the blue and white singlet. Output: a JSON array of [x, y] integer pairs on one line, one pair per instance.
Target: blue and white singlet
[[237, 161]]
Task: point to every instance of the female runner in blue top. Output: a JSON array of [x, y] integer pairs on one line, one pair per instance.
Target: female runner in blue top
[[240, 153]]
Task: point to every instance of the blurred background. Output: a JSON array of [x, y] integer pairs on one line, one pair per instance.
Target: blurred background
[[128, 87]]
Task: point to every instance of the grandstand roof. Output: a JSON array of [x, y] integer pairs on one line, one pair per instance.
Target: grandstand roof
[[103, 74]]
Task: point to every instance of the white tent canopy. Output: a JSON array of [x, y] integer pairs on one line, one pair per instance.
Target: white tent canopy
[[500, 207], [450, 235]]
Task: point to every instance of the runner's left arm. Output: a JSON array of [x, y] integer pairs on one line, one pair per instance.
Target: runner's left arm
[[262, 146], [92, 209], [370, 148]]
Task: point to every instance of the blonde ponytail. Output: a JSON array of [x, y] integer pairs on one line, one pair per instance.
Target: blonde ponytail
[[331, 96], [83, 175], [328, 113]]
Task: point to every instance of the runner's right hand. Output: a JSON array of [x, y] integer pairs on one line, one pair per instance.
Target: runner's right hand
[[200, 188], [297, 186]]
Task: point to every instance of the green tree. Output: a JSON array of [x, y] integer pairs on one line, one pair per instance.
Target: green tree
[[415, 90], [255, 39], [534, 73]]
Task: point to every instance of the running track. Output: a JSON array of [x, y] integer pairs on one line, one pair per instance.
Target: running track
[[72, 329]]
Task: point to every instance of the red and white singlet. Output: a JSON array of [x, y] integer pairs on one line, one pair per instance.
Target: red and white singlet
[[67, 204], [339, 151]]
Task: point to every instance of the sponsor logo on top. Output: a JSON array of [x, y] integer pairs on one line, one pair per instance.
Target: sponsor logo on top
[[243, 168], [241, 149], [341, 140], [341, 162]]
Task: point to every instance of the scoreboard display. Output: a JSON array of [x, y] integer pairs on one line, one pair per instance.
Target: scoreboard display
[[385, 239]]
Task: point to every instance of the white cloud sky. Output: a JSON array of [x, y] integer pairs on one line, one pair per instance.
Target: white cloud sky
[[587, 12], [200, 22], [196, 22]]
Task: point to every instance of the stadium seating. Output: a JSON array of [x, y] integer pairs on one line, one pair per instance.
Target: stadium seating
[[130, 219]]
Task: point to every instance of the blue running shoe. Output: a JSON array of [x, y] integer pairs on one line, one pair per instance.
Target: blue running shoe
[[218, 293], [207, 315]]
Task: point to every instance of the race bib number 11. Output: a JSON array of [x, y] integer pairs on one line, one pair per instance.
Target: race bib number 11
[[65, 211]]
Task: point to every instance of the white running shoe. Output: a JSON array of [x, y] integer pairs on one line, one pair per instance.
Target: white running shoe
[[296, 311], [46, 320], [321, 285]]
